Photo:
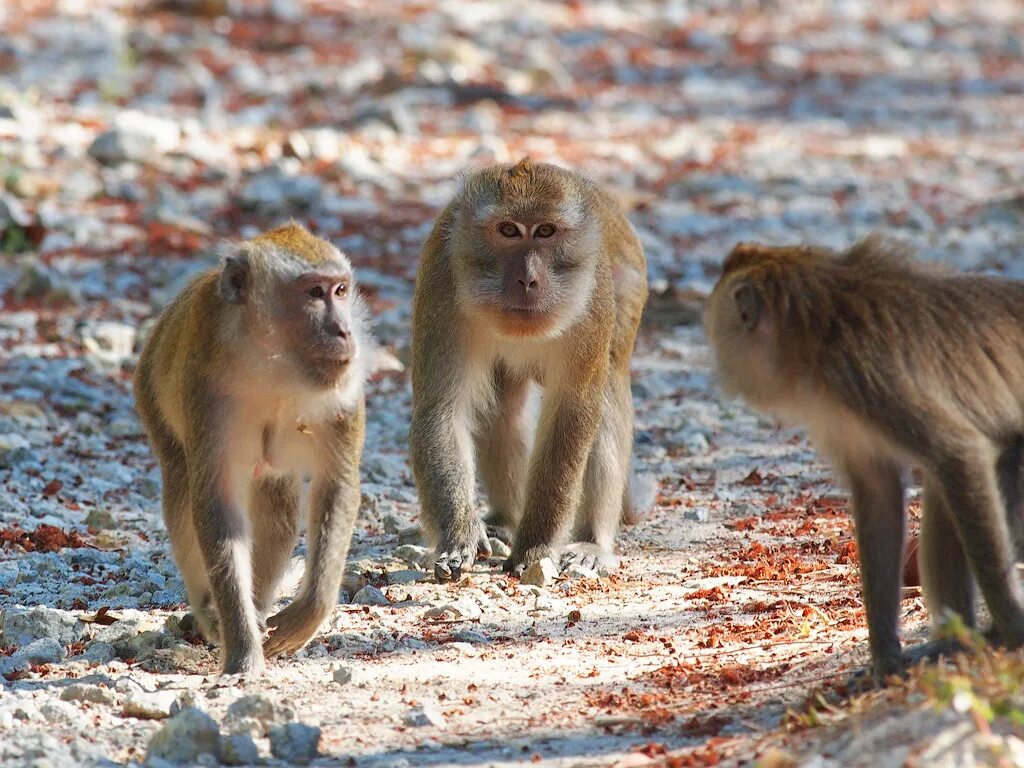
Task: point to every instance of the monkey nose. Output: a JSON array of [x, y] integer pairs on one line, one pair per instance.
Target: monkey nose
[[528, 284], [342, 331]]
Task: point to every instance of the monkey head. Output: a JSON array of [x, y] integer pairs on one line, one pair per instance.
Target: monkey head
[[525, 248], [754, 330], [297, 300]]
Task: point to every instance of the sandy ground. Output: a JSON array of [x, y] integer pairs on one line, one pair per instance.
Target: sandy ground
[[134, 139]]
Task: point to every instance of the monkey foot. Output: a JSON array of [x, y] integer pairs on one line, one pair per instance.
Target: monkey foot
[[245, 665], [452, 561], [593, 557], [865, 679]]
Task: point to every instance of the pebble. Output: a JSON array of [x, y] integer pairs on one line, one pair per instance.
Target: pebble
[[22, 625], [185, 737], [540, 574], [424, 715], [341, 675], [257, 712], [238, 749], [414, 555], [95, 694], [150, 705], [45, 650], [370, 595], [295, 743]]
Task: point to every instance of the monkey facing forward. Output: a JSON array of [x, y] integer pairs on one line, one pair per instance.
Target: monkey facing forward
[[531, 274], [889, 363], [250, 385]]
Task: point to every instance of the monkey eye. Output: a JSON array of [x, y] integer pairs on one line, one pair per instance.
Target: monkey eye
[[317, 292], [544, 230], [341, 290], [508, 229]]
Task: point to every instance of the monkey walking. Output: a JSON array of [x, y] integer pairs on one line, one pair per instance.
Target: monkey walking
[[889, 363], [251, 384], [531, 274]]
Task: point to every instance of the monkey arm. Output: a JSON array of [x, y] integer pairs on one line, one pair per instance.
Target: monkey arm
[[569, 423], [333, 507]]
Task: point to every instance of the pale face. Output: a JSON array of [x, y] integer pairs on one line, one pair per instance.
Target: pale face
[[526, 274], [314, 315]]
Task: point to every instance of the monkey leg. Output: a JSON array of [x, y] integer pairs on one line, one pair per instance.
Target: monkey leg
[[605, 484], [970, 485], [1008, 470], [222, 529], [878, 513], [442, 457], [181, 531], [274, 516], [502, 451], [568, 424], [945, 573]]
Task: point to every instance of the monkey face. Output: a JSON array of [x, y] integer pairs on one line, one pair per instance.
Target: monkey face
[[526, 274], [315, 315]]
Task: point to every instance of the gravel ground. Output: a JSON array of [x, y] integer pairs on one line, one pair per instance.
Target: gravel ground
[[135, 138]]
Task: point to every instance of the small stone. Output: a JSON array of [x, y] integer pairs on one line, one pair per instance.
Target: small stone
[[463, 608], [413, 535], [238, 749], [59, 712], [426, 714], [413, 554], [499, 548], [541, 573], [100, 653], [46, 650], [184, 737], [370, 595], [114, 146], [100, 518], [471, 636], [342, 675], [406, 577], [146, 705], [94, 694], [14, 449], [295, 743], [257, 709], [110, 341], [698, 515]]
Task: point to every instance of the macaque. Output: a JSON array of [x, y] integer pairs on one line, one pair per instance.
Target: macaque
[[892, 363], [531, 274], [250, 388]]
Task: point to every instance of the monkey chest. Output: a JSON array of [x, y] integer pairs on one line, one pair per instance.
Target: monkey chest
[[285, 447]]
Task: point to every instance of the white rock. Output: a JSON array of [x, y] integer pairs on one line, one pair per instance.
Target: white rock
[[426, 714], [45, 650], [295, 743], [370, 595], [259, 709], [155, 705], [342, 675], [184, 737], [413, 554], [94, 694]]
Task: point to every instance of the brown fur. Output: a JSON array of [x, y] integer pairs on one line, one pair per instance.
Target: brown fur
[[472, 361], [236, 424], [889, 363]]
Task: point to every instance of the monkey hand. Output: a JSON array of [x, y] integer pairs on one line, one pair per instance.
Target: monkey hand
[[296, 625], [523, 557], [457, 553]]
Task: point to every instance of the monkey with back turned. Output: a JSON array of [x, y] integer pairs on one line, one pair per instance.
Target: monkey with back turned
[[531, 274], [891, 363], [249, 386]]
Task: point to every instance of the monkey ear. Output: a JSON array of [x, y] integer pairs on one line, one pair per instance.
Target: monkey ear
[[233, 285], [749, 304]]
